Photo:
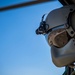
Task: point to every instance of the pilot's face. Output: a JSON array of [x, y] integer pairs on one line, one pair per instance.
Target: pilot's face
[[58, 37]]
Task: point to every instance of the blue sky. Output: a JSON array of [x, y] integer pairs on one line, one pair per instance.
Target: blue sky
[[22, 52]]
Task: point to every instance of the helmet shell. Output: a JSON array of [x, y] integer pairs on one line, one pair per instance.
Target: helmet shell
[[65, 55], [59, 16]]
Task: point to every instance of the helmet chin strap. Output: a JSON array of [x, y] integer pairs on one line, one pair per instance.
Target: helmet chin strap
[[70, 31]]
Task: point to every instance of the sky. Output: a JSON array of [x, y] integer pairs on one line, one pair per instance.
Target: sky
[[22, 52]]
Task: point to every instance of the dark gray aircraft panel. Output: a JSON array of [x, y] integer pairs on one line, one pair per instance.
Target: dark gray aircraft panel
[[67, 2]]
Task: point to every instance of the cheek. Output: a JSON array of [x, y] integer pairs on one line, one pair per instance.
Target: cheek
[[58, 39], [51, 39], [61, 39]]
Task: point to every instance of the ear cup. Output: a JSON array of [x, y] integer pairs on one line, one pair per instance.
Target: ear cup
[[71, 19]]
